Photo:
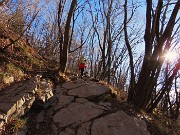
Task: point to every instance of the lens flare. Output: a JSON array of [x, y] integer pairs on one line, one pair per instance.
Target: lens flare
[[171, 56]]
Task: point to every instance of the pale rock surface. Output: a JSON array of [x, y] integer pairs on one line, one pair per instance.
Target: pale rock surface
[[1, 124], [76, 114], [119, 123], [70, 85], [18, 99], [63, 100], [89, 90], [7, 109]]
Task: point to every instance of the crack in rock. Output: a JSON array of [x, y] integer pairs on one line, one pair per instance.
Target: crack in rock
[[76, 113]]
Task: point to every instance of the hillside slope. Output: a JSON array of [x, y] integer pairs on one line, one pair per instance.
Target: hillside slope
[[19, 58]]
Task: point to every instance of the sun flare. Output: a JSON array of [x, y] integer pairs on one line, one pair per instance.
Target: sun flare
[[171, 56]]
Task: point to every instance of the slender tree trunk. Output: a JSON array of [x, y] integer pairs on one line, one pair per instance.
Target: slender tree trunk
[[64, 55], [109, 51], [132, 81]]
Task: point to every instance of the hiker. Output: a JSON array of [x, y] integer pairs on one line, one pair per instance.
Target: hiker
[[82, 65]]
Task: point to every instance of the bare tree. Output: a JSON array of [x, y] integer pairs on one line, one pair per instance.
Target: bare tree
[[156, 44], [108, 33], [131, 93], [65, 38]]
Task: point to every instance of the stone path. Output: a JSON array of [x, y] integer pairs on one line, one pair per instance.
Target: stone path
[[79, 108]]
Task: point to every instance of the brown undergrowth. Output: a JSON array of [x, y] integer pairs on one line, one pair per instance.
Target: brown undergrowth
[[13, 126]]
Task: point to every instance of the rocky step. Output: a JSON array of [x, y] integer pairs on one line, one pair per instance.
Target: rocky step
[[16, 100]]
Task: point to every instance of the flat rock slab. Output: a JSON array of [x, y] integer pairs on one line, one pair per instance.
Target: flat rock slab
[[68, 131], [92, 89], [77, 113], [72, 85], [63, 100], [7, 109], [84, 129], [18, 91], [119, 123]]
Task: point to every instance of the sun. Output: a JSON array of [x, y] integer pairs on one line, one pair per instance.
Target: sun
[[171, 56]]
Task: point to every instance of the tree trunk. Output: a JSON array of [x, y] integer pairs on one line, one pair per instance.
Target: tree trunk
[[64, 55], [132, 81]]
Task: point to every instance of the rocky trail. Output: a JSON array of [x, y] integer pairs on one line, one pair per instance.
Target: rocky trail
[[80, 108]]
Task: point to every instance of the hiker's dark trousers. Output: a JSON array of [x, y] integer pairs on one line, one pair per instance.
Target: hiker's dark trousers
[[82, 71]]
